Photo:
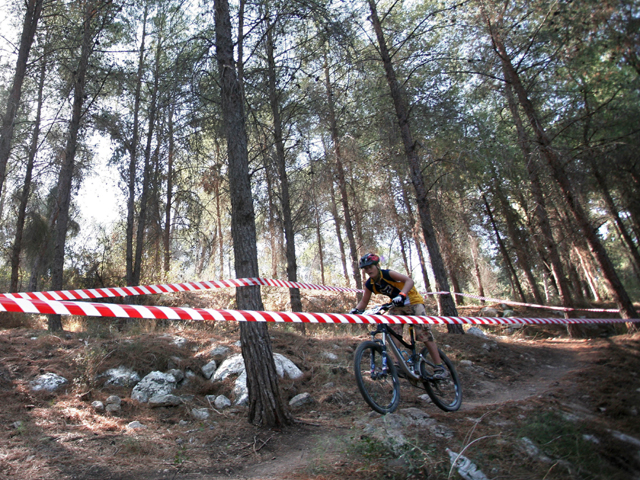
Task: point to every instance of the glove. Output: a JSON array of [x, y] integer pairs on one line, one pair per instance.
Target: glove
[[399, 300], [356, 311]]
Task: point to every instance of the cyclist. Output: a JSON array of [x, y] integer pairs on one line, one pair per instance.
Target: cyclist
[[406, 300]]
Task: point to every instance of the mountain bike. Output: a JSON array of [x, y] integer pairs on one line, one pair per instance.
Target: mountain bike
[[378, 373]]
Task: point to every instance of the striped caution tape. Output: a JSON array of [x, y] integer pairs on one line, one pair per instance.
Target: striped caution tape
[[94, 293], [111, 292], [532, 305], [91, 309]]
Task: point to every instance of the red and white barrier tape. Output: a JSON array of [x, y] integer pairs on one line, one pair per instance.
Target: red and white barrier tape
[[91, 309], [533, 305], [92, 293]]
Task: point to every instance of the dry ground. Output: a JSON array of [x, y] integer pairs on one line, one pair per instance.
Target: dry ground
[[574, 399]]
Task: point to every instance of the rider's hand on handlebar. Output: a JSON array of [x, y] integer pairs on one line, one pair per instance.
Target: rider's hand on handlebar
[[399, 300], [356, 311]]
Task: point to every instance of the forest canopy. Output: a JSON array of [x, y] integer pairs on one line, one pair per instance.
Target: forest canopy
[[485, 147]]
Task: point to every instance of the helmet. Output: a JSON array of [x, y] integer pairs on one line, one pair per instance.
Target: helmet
[[369, 259]]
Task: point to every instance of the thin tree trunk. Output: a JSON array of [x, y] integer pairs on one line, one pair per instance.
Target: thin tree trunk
[[65, 176], [146, 175], [26, 189], [446, 304], [338, 223], [416, 238], [333, 126], [266, 405], [518, 242], [588, 274], [540, 210], [168, 206], [29, 27], [513, 276], [614, 285], [316, 212], [289, 234], [613, 212], [133, 153]]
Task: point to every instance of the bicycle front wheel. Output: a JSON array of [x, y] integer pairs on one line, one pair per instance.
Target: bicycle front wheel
[[379, 386], [445, 393]]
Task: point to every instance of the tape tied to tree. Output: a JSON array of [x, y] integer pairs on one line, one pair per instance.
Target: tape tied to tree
[[110, 310]]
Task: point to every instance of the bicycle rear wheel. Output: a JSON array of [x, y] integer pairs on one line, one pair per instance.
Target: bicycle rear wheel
[[379, 388], [446, 393]]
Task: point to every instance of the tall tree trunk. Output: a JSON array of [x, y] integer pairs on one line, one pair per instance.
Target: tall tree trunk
[[518, 242], [416, 238], [29, 27], [398, 225], [338, 223], [168, 206], [446, 304], [615, 215], [513, 276], [133, 154], [540, 209], [65, 176], [316, 214], [289, 234], [266, 405], [614, 285], [342, 184], [146, 174], [26, 188]]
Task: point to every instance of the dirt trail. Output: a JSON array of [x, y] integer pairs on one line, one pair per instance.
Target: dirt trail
[[59, 435]]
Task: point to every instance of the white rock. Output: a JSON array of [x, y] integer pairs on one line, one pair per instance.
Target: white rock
[[177, 374], [113, 400], [477, 332], [284, 366], [167, 400], [136, 425], [240, 388], [466, 468], [209, 369], [121, 377], [200, 413], [231, 366], [329, 356], [300, 400], [156, 383], [48, 382], [222, 402], [98, 406]]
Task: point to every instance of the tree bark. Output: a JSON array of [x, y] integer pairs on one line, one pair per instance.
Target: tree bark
[[615, 287], [133, 152], [169, 203], [513, 276], [289, 234], [146, 174], [540, 209], [266, 406], [446, 304], [518, 242], [29, 27], [26, 188], [416, 238], [65, 176], [342, 184]]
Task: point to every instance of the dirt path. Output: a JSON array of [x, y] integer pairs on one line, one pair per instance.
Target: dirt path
[[505, 382]]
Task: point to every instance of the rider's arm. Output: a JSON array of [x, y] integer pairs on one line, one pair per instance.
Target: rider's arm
[[366, 296], [399, 277]]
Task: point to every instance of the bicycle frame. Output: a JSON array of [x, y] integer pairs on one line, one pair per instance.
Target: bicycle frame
[[385, 330]]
